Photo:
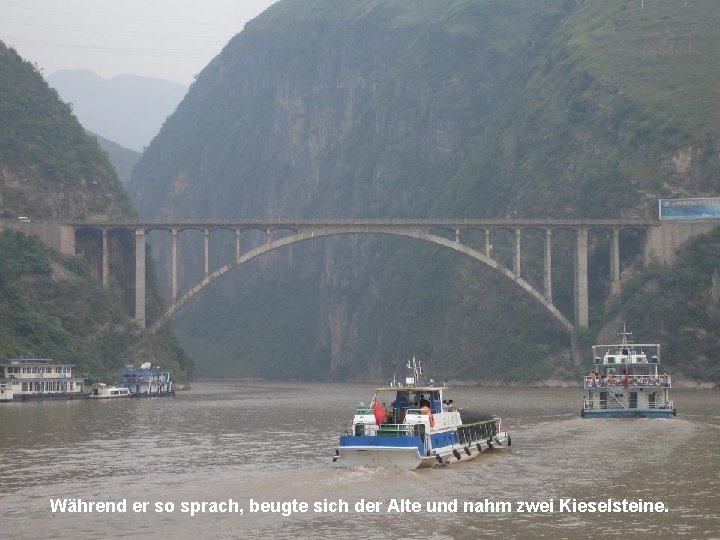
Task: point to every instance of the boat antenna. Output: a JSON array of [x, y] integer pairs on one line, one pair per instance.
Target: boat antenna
[[416, 367], [624, 335]]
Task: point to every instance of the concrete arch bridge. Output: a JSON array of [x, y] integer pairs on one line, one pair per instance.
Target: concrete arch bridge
[[661, 240]]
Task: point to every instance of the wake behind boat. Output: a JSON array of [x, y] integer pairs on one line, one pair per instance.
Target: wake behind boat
[[420, 428], [627, 382]]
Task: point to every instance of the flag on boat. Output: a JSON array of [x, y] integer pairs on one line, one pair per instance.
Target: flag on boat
[[378, 410]]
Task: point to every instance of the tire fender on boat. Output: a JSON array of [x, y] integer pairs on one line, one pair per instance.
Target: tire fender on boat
[[456, 454], [467, 451]]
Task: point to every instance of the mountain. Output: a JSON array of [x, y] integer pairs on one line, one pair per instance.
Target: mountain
[[127, 109], [54, 306], [123, 159], [466, 108]]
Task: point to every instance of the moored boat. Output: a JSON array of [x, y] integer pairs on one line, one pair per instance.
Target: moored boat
[[103, 391], [627, 382], [146, 380], [420, 428], [39, 378]]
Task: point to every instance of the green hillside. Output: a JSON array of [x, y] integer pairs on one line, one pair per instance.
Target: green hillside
[[457, 109], [53, 306], [64, 173]]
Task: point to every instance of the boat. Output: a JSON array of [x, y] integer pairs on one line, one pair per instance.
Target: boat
[[146, 380], [33, 378], [103, 391], [420, 428], [627, 382]]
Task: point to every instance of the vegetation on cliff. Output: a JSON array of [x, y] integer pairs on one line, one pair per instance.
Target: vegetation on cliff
[[458, 109], [49, 167], [53, 306]]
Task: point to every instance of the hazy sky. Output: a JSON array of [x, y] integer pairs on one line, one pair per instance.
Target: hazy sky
[[167, 39]]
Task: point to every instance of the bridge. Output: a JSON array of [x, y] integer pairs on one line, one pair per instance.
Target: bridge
[[661, 241]]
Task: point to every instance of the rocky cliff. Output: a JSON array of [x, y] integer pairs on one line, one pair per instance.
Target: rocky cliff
[[397, 109]]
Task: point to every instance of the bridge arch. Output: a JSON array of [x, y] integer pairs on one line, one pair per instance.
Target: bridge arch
[[303, 235]]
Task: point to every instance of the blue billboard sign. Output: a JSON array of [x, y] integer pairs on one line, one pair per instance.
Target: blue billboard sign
[[707, 208]]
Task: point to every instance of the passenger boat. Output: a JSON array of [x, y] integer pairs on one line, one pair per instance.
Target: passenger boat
[[146, 381], [420, 428], [627, 382], [102, 390]]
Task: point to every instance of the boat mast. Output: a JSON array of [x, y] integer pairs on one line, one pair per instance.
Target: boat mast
[[416, 367], [625, 349]]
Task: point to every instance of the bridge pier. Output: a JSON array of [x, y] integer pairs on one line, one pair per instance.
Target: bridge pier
[[581, 278], [237, 244], [173, 266], [516, 258], [548, 265], [105, 260], [207, 252], [140, 277], [615, 263]]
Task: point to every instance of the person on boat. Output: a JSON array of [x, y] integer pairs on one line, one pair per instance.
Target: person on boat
[[379, 412], [424, 402], [426, 410], [611, 377], [451, 405]]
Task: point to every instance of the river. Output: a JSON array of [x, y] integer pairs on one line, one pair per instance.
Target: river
[[273, 443]]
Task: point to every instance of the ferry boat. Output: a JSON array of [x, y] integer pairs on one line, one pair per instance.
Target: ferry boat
[[627, 382], [419, 428]]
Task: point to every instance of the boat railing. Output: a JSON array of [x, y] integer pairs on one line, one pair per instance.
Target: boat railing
[[418, 411], [662, 381], [617, 404], [477, 431], [390, 430]]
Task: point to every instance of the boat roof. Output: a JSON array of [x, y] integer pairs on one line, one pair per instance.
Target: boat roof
[[407, 388], [629, 346], [626, 344]]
